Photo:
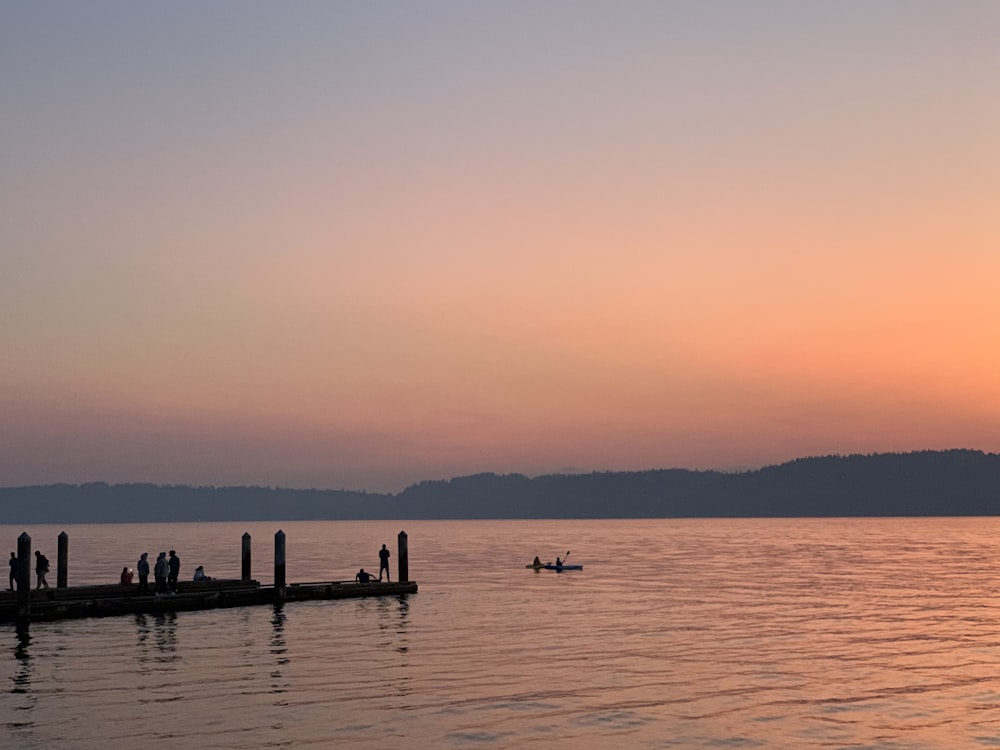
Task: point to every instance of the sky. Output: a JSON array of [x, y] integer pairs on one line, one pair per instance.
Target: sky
[[361, 245]]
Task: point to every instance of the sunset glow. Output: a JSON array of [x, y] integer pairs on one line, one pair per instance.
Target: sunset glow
[[352, 245]]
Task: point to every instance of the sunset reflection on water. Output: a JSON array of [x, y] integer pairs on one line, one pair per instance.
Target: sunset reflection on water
[[676, 633]]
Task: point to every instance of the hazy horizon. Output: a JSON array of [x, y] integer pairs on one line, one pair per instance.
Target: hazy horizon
[[343, 245]]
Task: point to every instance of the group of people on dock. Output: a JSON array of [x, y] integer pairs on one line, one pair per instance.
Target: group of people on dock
[[41, 570], [166, 571], [383, 565]]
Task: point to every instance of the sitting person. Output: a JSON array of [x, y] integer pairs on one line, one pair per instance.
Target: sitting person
[[126, 578], [199, 574], [362, 576], [537, 563]]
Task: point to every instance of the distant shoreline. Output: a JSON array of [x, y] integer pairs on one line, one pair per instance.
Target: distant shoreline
[[923, 483]]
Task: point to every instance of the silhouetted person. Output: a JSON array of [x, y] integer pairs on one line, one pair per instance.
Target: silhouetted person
[[142, 568], [199, 574], [126, 577], [362, 576], [160, 571], [537, 563], [558, 563], [174, 568], [383, 564], [13, 570], [41, 570]]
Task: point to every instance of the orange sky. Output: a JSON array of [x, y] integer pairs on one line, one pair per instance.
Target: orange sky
[[361, 247]]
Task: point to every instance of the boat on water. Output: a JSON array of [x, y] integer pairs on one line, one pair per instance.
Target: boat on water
[[557, 565]]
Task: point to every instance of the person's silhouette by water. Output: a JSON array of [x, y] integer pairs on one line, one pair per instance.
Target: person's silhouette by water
[[41, 570], [383, 564], [363, 576], [126, 577], [173, 570], [142, 568], [160, 570], [13, 570]]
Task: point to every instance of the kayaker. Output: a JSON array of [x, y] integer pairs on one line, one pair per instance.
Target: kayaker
[[537, 563], [558, 563]]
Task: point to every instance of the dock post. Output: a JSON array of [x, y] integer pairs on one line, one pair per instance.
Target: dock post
[[62, 563], [24, 577], [279, 564], [246, 556], [403, 560]]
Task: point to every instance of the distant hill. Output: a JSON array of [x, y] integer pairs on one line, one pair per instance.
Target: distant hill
[[925, 483]]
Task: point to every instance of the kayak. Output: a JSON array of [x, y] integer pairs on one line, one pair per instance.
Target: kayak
[[553, 566]]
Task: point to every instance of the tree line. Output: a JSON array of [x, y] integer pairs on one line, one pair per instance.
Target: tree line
[[922, 483]]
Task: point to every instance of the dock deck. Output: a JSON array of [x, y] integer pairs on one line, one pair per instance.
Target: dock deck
[[72, 602]]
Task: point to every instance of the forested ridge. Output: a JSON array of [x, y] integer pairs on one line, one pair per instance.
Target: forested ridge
[[923, 483]]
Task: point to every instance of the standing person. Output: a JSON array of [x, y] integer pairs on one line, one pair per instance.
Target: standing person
[[160, 570], [174, 566], [383, 564], [13, 570], [41, 570], [142, 568]]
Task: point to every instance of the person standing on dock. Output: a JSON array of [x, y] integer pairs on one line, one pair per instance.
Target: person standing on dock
[[383, 564], [13, 570], [174, 566], [142, 568], [160, 574], [41, 570]]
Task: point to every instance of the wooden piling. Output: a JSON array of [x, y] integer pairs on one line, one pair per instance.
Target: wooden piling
[[62, 563], [279, 564], [245, 576], [403, 559], [24, 577]]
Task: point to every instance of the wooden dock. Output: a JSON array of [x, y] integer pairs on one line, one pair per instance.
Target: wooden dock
[[67, 602], [113, 599]]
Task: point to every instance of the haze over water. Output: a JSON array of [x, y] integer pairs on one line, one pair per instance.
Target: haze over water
[[846, 633]]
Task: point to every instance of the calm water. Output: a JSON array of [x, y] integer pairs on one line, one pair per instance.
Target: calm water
[[844, 633]]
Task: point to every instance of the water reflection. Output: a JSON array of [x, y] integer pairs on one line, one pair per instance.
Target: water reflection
[[142, 630], [156, 641], [22, 677], [392, 623], [279, 648]]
